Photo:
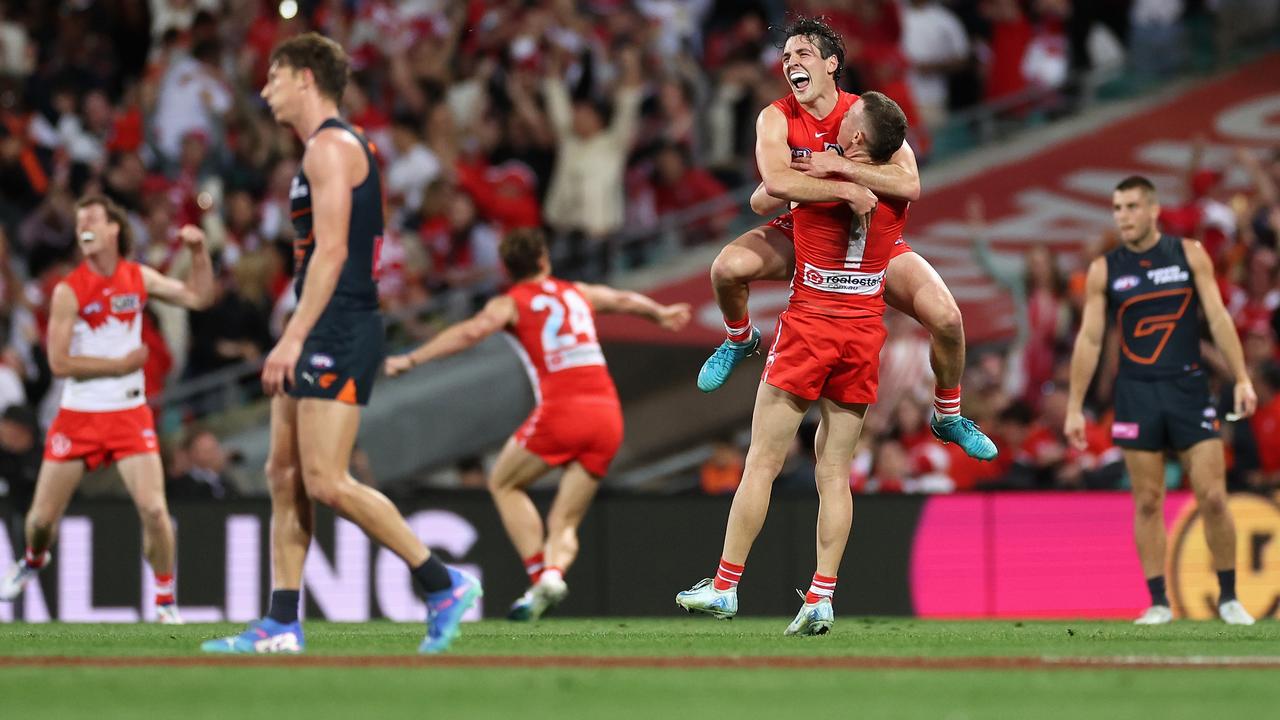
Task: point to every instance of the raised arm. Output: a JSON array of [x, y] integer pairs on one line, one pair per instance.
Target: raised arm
[[197, 292], [62, 321], [605, 299], [773, 157], [898, 178], [1221, 327], [497, 314], [1084, 358]]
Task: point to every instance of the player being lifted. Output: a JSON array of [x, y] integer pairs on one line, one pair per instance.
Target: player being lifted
[[577, 423], [1155, 287], [95, 341], [322, 369], [912, 286], [828, 340]]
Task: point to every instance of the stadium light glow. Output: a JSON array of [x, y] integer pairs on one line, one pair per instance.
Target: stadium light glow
[[288, 9]]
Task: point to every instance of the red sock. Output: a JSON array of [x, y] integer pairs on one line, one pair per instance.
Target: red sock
[[821, 587], [738, 330], [727, 575], [533, 566], [164, 588], [946, 401], [33, 561]]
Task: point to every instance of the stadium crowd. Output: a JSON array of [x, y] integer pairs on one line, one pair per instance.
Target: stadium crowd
[[593, 119]]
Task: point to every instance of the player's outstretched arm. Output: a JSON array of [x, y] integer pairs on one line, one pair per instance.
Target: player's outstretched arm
[[1084, 358], [497, 314], [1221, 326], [773, 158], [197, 292], [898, 178], [62, 320], [605, 299]]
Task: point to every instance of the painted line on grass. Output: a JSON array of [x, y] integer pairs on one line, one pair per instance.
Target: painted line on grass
[[1135, 662]]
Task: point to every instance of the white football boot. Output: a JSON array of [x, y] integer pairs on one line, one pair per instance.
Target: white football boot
[[1233, 613], [1155, 615], [705, 599]]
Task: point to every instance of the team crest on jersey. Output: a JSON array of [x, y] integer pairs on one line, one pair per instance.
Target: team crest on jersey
[[1163, 275], [321, 361], [298, 189], [60, 444], [1125, 282], [127, 303], [93, 307]]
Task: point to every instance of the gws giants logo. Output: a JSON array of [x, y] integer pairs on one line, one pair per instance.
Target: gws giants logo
[[1193, 585], [298, 189], [1163, 275]]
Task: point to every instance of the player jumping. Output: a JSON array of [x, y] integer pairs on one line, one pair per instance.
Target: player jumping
[[912, 286], [577, 423]]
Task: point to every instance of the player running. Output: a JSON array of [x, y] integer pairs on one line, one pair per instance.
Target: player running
[[1155, 286], [828, 340], [912, 286], [95, 341], [577, 423], [322, 369]]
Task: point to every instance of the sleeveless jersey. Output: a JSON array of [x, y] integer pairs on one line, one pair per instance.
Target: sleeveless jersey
[[108, 325], [555, 336], [840, 264], [357, 286], [1152, 296]]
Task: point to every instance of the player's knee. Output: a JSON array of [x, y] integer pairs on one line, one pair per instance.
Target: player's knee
[[1148, 504], [1213, 504], [153, 514], [733, 267], [331, 494], [946, 322], [281, 477]]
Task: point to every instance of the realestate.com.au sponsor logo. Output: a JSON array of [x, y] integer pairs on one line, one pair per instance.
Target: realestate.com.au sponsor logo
[[845, 282]]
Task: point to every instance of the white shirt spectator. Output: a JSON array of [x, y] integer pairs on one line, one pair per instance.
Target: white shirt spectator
[[409, 175], [191, 99], [17, 55], [168, 14], [931, 35]]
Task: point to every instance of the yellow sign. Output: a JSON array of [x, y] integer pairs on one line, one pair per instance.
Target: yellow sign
[[1193, 584]]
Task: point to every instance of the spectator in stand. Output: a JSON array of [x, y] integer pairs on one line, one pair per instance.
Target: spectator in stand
[[1264, 429], [413, 167], [937, 47], [721, 473], [677, 185], [193, 97], [20, 454], [207, 475]]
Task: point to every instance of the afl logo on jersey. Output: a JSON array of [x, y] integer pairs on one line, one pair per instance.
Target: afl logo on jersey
[[121, 304], [800, 152], [323, 362], [1125, 282]]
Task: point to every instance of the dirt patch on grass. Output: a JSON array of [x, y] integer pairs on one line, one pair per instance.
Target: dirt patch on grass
[[587, 662]]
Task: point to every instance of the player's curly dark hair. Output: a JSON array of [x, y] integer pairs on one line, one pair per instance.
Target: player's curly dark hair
[[521, 252], [326, 60], [824, 37]]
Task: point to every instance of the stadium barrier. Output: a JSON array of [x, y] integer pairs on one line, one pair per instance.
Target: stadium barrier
[[1010, 555]]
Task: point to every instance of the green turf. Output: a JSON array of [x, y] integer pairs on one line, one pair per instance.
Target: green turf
[[437, 692]]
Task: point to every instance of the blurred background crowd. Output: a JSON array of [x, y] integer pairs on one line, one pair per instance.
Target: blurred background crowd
[[598, 120]]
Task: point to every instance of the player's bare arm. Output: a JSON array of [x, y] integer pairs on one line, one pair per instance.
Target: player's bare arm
[[606, 299], [498, 314], [773, 158], [762, 203], [62, 320], [898, 178], [1221, 326], [197, 292], [330, 163], [1084, 357]]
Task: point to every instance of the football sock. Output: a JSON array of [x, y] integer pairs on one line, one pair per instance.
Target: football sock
[[727, 576], [1155, 586], [432, 576], [554, 573], [34, 561], [946, 402], [821, 587], [164, 588], [739, 331], [1226, 586], [533, 566], [284, 606]]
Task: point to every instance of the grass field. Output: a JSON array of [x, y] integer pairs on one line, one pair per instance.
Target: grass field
[[654, 668]]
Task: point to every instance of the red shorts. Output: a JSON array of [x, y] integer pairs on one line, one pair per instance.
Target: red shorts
[[101, 438], [786, 225], [586, 430], [824, 356]]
